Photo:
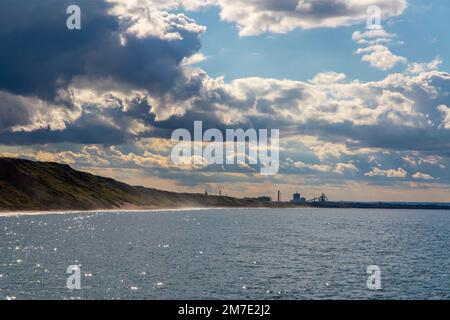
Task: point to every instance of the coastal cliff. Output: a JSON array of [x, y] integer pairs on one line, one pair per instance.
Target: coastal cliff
[[31, 185]]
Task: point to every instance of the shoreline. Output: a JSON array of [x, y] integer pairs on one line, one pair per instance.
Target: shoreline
[[118, 210], [132, 209]]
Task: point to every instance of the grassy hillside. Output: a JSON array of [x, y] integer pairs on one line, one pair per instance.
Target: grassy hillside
[[30, 185]]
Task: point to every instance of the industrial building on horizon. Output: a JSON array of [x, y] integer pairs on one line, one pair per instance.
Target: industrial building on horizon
[[297, 198]]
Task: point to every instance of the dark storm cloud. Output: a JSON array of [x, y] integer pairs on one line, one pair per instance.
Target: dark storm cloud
[[82, 131], [39, 55], [13, 112], [37, 48]]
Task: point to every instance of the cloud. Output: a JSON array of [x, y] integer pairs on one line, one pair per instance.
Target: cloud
[[194, 59], [50, 56], [380, 57], [53, 79], [21, 113], [151, 18], [377, 172], [446, 116], [422, 176], [376, 51], [327, 78], [275, 16], [417, 68], [373, 36], [341, 168], [313, 167]]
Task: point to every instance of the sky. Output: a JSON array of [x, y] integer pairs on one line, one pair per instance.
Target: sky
[[363, 110]]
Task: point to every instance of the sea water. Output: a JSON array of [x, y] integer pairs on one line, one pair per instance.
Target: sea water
[[227, 254]]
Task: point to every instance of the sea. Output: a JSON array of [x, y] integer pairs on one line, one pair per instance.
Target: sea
[[305, 253]]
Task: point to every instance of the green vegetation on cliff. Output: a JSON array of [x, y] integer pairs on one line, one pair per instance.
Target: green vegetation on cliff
[[31, 185]]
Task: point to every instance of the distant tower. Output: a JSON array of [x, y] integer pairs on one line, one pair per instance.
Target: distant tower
[[323, 198], [279, 196], [206, 191], [220, 193]]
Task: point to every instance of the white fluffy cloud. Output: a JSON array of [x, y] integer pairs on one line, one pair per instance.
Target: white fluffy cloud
[[194, 59], [380, 57], [391, 173], [446, 116], [255, 17], [422, 176], [341, 168], [376, 51], [147, 18], [418, 68]]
